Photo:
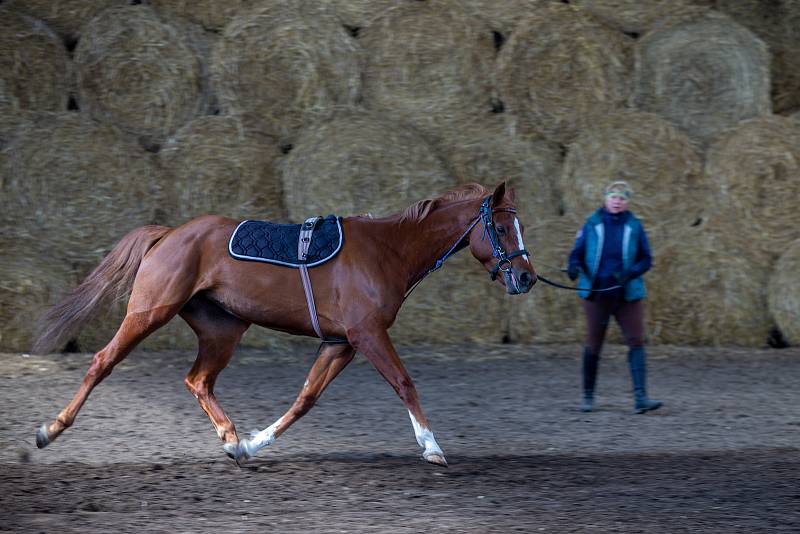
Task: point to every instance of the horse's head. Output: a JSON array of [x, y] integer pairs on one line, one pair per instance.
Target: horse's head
[[497, 242]]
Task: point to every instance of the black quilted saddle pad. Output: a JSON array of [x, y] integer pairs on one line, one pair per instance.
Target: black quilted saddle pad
[[277, 243]]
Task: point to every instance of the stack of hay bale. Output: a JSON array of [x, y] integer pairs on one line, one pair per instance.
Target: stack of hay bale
[[115, 115]]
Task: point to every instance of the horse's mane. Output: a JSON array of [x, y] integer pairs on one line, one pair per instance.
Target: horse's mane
[[419, 210]]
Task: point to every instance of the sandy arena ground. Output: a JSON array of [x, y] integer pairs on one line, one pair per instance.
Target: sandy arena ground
[[723, 455]]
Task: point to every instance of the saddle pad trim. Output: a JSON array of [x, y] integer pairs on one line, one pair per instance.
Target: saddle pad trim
[[278, 262]]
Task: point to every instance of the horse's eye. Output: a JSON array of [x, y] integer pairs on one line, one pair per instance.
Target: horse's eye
[[501, 229]]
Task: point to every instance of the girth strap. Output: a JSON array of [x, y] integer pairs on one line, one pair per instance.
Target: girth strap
[[303, 244]]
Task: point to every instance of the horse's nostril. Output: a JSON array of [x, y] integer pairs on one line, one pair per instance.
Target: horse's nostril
[[525, 278]]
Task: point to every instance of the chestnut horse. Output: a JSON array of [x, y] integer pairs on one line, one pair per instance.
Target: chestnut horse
[[187, 271]]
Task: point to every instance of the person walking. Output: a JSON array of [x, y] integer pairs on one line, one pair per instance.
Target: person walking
[[612, 252]]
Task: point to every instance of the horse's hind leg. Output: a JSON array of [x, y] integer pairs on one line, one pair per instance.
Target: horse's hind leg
[[134, 328], [332, 358], [218, 333]]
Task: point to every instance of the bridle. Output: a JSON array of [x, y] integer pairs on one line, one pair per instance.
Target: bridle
[[503, 265]]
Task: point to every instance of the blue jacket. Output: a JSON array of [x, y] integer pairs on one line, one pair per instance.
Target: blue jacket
[[606, 248]]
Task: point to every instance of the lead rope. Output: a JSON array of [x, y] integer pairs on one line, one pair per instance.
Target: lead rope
[[571, 288]]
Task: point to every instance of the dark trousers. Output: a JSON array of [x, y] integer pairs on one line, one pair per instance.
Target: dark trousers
[[629, 316]]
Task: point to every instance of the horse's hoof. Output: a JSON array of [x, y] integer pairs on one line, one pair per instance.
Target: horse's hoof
[[42, 437], [236, 452], [232, 450], [436, 459]]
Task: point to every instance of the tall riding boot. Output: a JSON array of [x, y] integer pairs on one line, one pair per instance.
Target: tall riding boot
[[589, 378], [636, 361]]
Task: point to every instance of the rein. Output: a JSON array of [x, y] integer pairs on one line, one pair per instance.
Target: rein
[[485, 215]]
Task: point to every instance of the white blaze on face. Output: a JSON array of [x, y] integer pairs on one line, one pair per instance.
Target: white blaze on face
[[519, 239], [425, 438]]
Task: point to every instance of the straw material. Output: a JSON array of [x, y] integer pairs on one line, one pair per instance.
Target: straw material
[[547, 314], [560, 70], [221, 165], [755, 167], [13, 121], [210, 14], [65, 16], [360, 163], [778, 24], [784, 295], [636, 16], [28, 286], [488, 152], [428, 64], [34, 67], [361, 13], [287, 63], [458, 303], [503, 16], [72, 187], [703, 75], [142, 72], [708, 288], [655, 158]]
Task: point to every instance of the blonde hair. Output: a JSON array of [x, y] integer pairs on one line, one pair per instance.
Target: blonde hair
[[619, 187]]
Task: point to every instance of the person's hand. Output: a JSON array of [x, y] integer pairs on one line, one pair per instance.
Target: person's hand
[[622, 277], [573, 272]]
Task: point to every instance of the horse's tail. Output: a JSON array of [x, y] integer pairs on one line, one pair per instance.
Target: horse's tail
[[112, 278]]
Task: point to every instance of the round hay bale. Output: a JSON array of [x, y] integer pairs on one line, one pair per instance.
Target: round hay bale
[[707, 288], [34, 67], [13, 121], [428, 64], [456, 304], [488, 152], [784, 295], [560, 70], [287, 63], [65, 17], [547, 314], [704, 75], [220, 165], [29, 285], [778, 24], [142, 72], [755, 168], [503, 16], [655, 158], [210, 14], [360, 13], [72, 187], [635, 16], [359, 162]]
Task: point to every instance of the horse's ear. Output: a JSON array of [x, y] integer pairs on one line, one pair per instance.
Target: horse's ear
[[499, 193]]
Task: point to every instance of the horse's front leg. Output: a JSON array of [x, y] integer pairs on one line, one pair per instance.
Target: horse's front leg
[[377, 347], [331, 360]]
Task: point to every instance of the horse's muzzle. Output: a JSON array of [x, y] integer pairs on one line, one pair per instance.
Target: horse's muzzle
[[518, 282]]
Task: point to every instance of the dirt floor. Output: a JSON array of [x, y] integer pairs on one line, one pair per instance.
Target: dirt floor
[[723, 455]]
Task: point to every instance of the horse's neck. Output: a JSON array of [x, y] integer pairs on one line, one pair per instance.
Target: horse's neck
[[428, 240]]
